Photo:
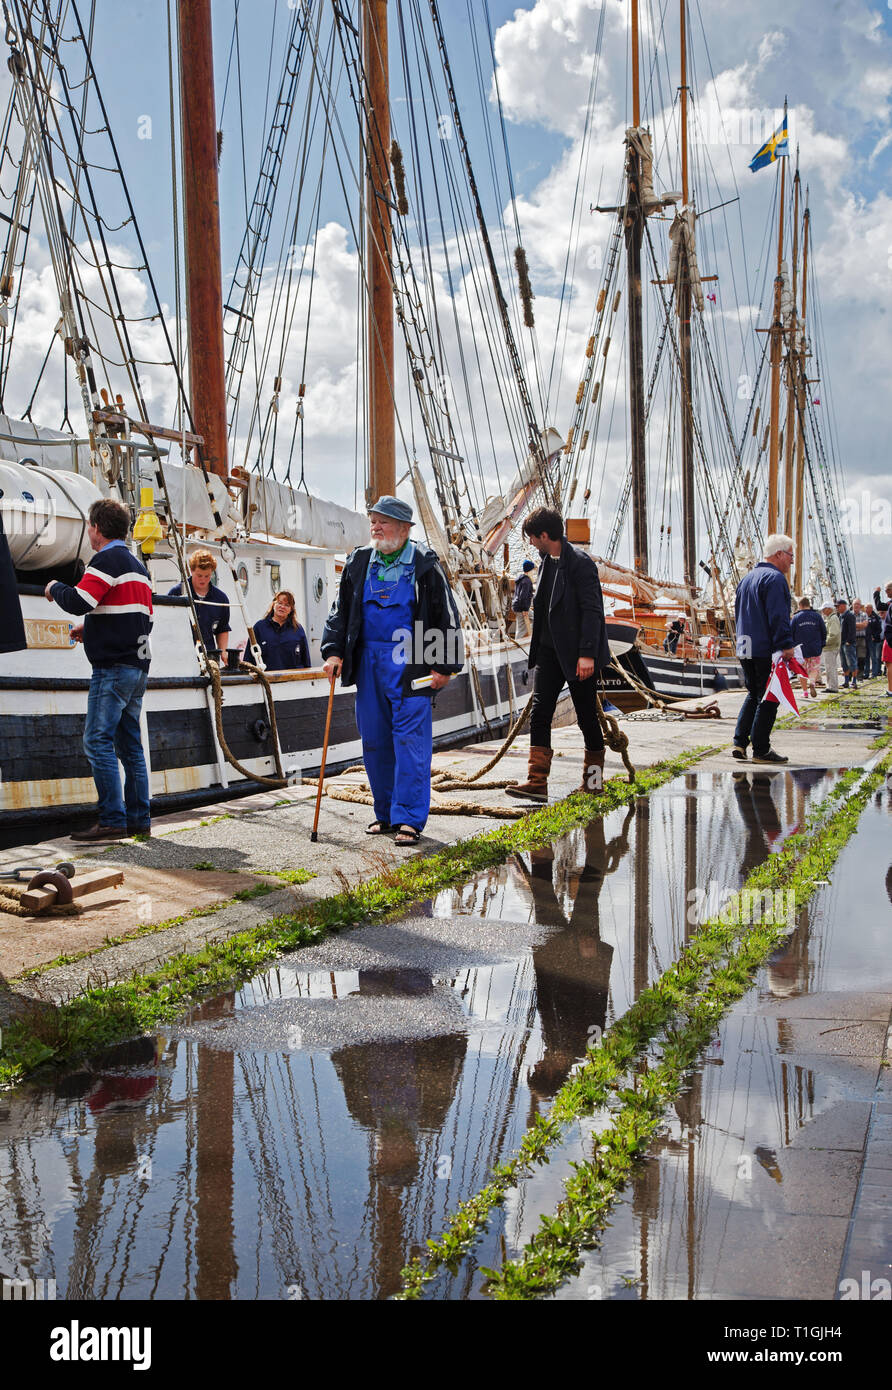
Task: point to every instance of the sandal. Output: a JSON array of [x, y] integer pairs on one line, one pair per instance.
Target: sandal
[[407, 835], [379, 827]]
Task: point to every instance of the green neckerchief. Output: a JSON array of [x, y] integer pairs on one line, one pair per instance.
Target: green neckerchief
[[388, 560]]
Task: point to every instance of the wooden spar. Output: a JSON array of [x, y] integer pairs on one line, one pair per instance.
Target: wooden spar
[[379, 242], [636, 85], [792, 358], [684, 102], [777, 335], [634, 232], [799, 509], [689, 527], [201, 198]]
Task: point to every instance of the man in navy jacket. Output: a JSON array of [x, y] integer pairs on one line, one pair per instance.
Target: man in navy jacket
[[762, 612]]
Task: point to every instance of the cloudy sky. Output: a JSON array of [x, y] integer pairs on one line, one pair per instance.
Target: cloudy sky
[[832, 60]]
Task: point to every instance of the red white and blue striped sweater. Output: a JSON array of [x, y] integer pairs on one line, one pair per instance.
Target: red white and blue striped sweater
[[114, 596]]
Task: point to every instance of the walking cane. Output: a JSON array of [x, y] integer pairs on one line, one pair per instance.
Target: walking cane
[[314, 836]]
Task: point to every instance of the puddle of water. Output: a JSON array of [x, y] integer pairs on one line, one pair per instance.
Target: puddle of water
[[302, 1137], [767, 1137]]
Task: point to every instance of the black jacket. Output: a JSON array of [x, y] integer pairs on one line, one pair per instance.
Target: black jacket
[[847, 632], [435, 613], [12, 626], [576, 615], [523, 594]]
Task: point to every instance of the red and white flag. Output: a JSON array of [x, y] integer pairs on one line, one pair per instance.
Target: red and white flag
[[780, 687]]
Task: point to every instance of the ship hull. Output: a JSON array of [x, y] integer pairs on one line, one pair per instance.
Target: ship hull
[[46, 778]]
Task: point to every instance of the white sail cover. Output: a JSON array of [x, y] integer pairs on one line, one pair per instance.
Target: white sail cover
[[682, 234], [67, 455], [431, 525], [275, 509], [499, 509]]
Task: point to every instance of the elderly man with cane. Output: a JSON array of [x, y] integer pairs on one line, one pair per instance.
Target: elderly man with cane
[[394, 633], [764, 627], [568, 647]]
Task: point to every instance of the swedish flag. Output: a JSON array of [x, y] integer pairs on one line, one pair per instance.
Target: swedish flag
[[775, 146]]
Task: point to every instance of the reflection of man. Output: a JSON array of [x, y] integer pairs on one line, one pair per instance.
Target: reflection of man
[[568, 647], [401, 1093], [114, 596], [761, 821], [573, 964], [393, 623]]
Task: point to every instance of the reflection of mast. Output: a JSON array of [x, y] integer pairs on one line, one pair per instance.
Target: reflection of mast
[[379, 245], [690, 846], [642, 895], [215, 1152]]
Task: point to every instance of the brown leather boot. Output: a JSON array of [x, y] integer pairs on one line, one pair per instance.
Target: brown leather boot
[[593, 772], [535, 788]]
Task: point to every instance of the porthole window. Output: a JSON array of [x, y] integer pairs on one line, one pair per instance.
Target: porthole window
[[319, 588], [243, 578], [275, 578]]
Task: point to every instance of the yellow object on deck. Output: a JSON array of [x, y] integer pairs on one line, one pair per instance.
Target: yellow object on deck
[[147, 531]]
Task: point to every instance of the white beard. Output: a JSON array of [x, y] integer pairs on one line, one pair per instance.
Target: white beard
[[389, 547]]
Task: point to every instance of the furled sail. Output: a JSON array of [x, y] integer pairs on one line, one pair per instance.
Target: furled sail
[[681, 235], [275, 509]]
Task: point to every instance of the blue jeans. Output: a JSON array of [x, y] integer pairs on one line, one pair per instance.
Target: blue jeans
[[849, 661], [111, 733], [756, 718], [874, 658]]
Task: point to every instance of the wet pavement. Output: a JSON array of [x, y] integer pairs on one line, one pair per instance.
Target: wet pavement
[[301, 1138]]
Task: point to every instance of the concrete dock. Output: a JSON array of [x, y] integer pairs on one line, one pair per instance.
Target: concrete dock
[[196, 863]]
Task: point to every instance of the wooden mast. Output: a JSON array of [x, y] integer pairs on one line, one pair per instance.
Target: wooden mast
[[684, 318], [634, 232], [799, 506], [777, 335], [204, 283], [379, 242], [792, 357]]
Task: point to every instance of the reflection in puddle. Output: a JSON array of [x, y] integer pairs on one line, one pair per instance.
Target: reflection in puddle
[[309, 1132]]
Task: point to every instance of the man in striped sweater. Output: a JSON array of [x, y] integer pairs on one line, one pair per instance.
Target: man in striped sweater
[[114, 597]]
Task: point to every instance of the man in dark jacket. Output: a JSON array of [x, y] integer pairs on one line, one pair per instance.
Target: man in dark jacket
[[809, 633], [848, 644], [874, 642], [393, 626], [522, 601], [12, 626], [569, 646], [762, 613]]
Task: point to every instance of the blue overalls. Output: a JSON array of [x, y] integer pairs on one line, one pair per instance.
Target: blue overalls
[[396, 730]]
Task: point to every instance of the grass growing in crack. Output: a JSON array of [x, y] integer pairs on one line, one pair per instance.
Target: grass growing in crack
[[292, 876], [683, 1007], [104, 1016]]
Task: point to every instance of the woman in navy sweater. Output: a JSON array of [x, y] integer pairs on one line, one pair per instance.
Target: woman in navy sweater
[[283, 642]]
